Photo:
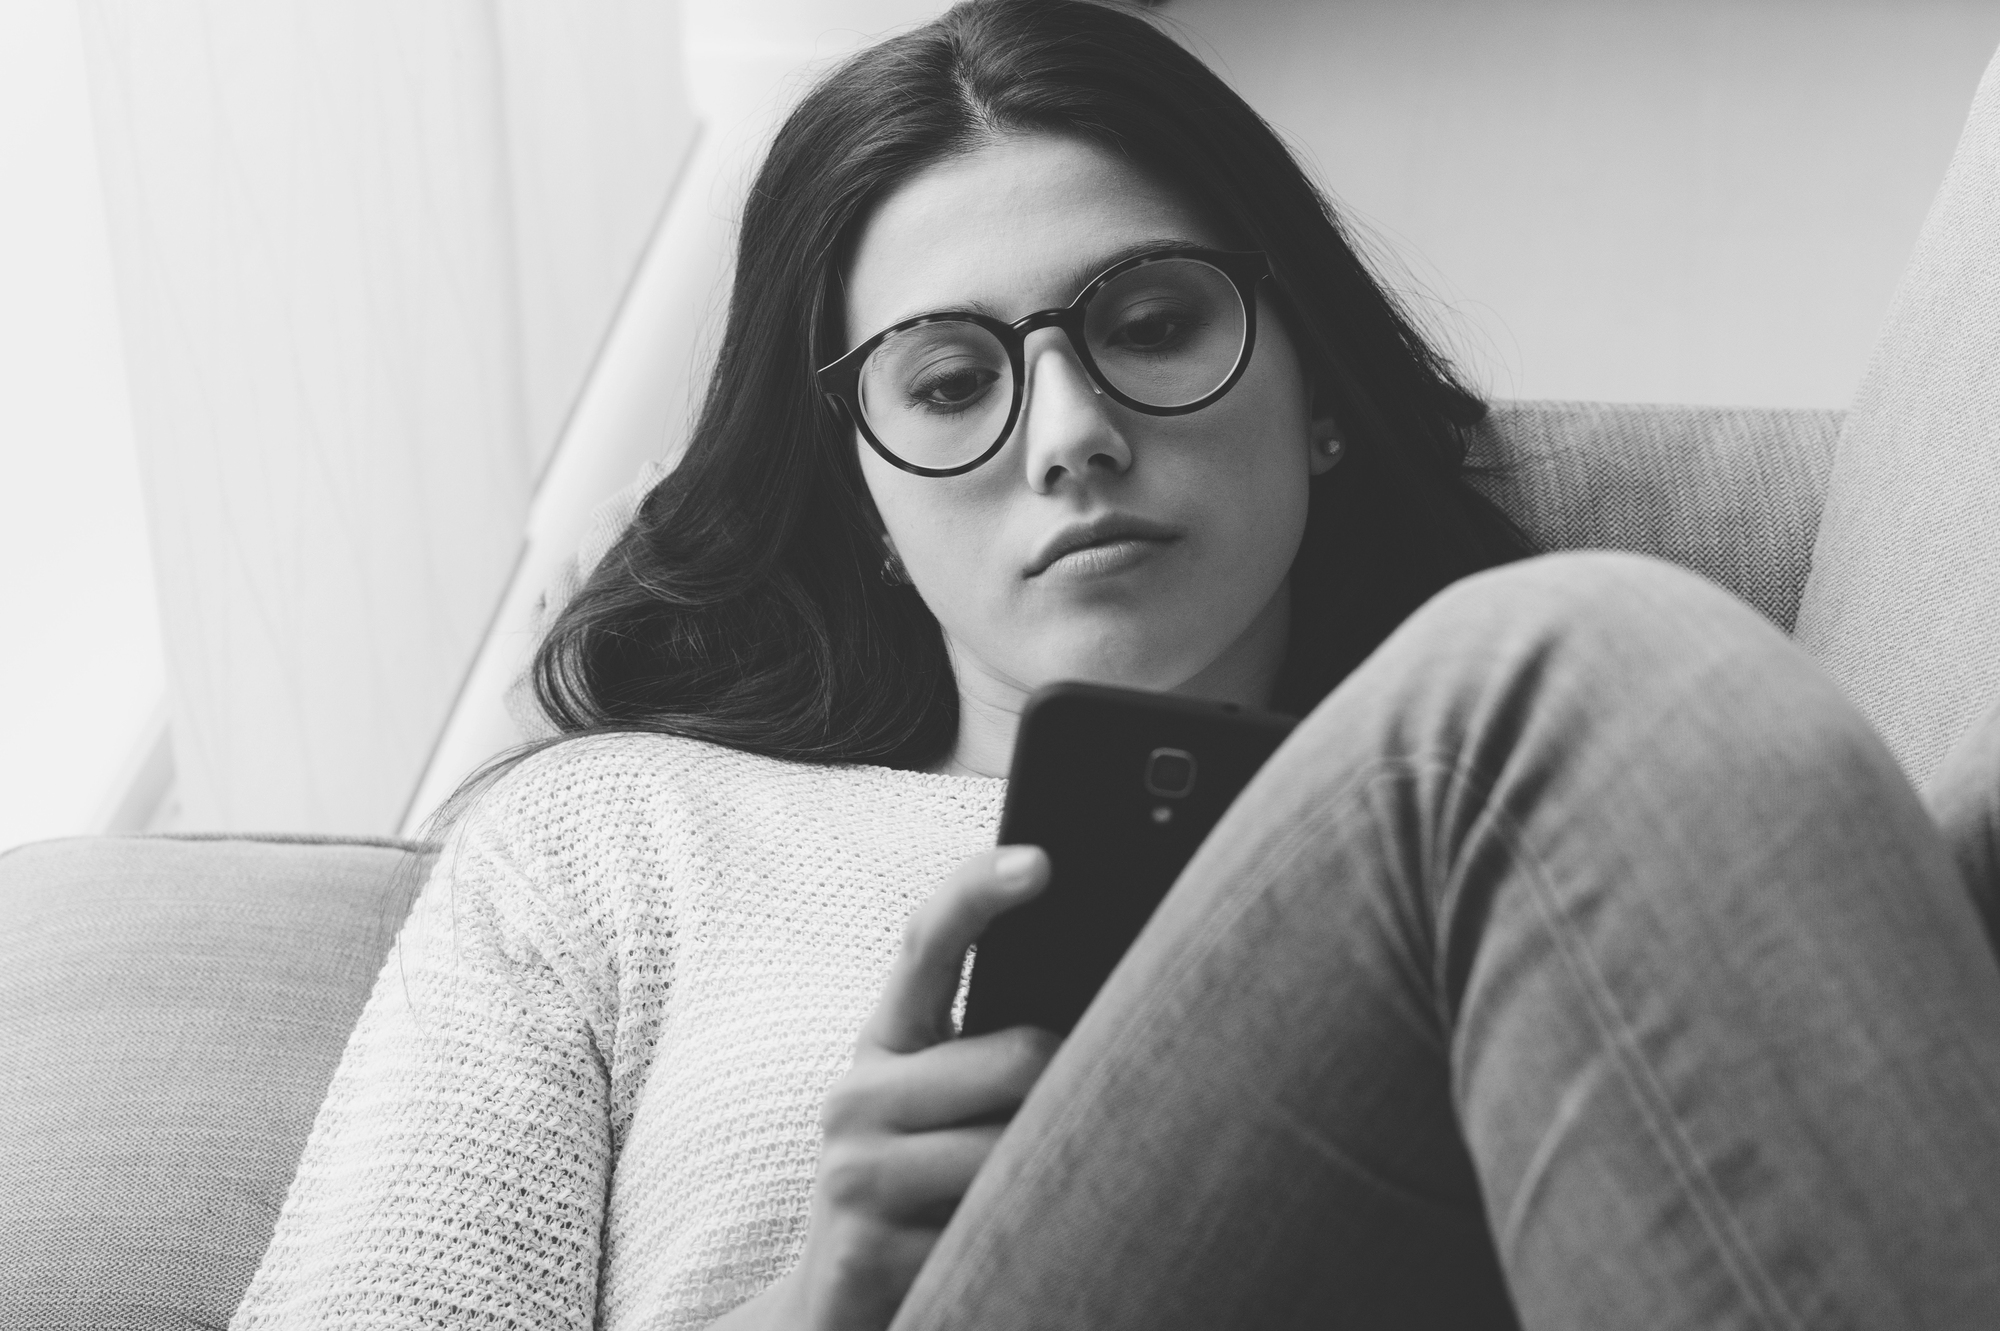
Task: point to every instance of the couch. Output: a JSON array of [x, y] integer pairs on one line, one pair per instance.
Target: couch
[[172, 1008]]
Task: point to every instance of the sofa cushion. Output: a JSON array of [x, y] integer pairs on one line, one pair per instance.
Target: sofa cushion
[[171, 1011], [1732, 493], [1903, 606]]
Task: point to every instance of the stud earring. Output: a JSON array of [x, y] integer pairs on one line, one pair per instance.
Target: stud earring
[[1332, 448], [892, 571]]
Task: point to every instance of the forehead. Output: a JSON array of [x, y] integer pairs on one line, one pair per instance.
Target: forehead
[[1015, 226]]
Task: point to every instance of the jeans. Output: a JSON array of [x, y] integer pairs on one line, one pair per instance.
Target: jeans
[[1584, 961]]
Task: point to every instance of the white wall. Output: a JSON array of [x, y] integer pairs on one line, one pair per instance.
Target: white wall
[[80, 660], [597, 126], [365, 254], [745, 64], [1700, 201]]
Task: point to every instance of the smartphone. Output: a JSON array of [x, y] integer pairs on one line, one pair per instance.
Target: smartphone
[[1119, 786]]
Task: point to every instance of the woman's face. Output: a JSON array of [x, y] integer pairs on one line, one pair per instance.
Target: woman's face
[[1193, 596]]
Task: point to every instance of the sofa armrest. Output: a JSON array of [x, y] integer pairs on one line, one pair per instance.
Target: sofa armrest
[[171, 1012]]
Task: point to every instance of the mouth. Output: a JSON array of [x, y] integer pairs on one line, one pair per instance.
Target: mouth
[[1101, 545]]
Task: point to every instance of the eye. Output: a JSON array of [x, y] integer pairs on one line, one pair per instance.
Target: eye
[[1154, 327], [951, 387]]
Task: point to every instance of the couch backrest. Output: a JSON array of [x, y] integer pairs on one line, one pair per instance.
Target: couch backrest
[[1733, 493], [171, 1011], [1904, 604]]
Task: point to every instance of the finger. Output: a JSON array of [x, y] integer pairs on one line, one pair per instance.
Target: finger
[[914, 1011], [983, 1077], [903, 1176]]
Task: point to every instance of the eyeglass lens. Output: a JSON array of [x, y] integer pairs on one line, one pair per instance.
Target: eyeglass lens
[[1165, 334]]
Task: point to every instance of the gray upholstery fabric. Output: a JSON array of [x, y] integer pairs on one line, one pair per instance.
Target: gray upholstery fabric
[[1732, 493], [171, 1011], [1904, 603]]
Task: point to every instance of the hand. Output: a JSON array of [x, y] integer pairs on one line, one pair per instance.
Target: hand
[[916, 1116]]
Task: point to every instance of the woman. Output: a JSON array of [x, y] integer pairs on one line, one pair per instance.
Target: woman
[[1582, 957]]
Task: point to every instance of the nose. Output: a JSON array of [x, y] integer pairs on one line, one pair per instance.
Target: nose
[[1066, 422]]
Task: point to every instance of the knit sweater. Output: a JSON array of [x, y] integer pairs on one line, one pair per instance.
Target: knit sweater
[[586, 1087]]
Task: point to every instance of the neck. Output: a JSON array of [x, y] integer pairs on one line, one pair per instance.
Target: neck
[[989, 706], [989, 712]]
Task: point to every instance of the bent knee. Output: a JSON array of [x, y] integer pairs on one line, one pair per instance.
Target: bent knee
[[1576, 596], [1560, 648], [1622, 621]]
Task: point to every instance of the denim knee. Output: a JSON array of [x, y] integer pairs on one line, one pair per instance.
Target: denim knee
[[1589, 591], [1566, 641], [1635, 612]]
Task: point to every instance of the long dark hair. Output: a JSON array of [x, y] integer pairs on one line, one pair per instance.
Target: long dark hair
[[744, 606]]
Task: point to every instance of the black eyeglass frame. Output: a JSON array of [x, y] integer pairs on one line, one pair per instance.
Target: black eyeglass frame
[[841, 380]]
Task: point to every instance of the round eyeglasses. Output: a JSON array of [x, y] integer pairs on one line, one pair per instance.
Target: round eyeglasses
[[1166, 332]]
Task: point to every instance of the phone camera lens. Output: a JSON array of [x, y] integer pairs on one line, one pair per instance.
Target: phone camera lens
[[1170, 773]]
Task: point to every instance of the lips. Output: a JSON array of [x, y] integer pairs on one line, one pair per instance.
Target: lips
[[1108, 529]]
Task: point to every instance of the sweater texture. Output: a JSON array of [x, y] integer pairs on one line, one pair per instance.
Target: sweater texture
[[586, 1087]]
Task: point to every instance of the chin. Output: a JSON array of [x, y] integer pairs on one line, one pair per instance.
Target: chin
[[1156, 665]]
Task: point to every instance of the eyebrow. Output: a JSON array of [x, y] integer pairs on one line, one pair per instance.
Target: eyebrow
[[1075, 280]]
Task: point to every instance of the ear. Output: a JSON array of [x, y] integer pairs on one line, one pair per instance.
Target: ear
[[1324, 447], [892, 570]]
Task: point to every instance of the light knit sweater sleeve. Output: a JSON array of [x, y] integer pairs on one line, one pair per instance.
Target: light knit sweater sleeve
[[456, 1173]]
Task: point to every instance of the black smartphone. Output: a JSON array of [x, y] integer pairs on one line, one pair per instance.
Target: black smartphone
[[1119, 787]]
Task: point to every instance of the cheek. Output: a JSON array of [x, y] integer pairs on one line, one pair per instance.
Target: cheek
[[1253, 457], [1257, 511], [941, 527], [1246, 481]]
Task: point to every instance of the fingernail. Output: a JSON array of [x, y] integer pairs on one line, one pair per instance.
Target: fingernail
[[1015, 865]]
